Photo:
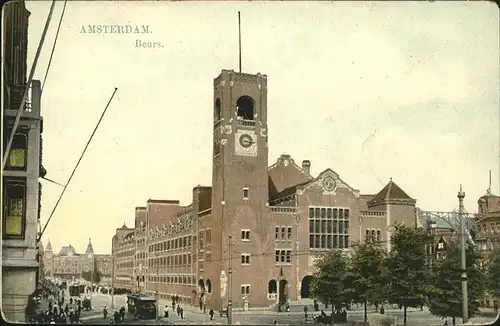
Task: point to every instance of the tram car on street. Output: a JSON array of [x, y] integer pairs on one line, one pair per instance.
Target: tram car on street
[[141, 306], [74, 290]]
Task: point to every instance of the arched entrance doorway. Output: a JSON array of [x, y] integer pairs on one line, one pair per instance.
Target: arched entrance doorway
[[305, 288], [282, 291]]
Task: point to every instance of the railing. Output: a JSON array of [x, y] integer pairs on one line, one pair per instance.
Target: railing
[[284, 210], [246, 123], [371, 214]]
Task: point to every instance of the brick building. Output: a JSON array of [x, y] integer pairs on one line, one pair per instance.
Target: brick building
[[263, 222], [69, 264]]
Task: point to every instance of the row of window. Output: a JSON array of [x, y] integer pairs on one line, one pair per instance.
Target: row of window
[[173, 244], [176, 260], [283, 256], [329, 213], [328, 226], [283, 233], [122, 254], [125, 265], [323, 241], [372, 236], [177, 279]]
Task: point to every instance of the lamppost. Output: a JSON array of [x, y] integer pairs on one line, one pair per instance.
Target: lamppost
[[465, 300], [281, 284], [113, 282], [230, 287], [157, 295]]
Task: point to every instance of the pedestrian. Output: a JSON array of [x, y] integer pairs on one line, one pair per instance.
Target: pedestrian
[[165, 311], [305, 312], [495, 306], [211, 313], [182, 313]]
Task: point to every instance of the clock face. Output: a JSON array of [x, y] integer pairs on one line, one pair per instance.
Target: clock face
[[89, 255], [246, 140], [329, 184], [245, 143], [49, 255]]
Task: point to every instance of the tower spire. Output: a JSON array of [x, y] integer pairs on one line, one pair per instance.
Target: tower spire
[[239, 40]]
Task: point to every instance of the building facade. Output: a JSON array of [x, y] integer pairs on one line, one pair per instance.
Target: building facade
[[20, 177], [69, 264], [253, 234]]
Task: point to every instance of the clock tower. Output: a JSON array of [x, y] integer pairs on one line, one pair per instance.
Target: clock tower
[[239, 180]]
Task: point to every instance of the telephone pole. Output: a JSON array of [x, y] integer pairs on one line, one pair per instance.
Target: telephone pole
[[463, 239]]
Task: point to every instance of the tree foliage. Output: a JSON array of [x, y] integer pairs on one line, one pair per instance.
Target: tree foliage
[[368, 273], [330, 282], [408, 276], [493, 274], [445, 297]]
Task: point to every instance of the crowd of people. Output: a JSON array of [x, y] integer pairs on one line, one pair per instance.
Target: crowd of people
[[61, 310]]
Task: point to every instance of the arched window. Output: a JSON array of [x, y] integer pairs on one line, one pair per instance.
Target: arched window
[[217, 110], [201, 285], [272, 287], [245, 107], [209, 286]]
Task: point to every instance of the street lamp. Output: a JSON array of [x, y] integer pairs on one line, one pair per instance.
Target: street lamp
[[230, 287], [157, 295], [280, 284]]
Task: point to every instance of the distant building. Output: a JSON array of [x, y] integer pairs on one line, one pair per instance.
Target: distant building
[[69, 264], [20, 178], [269, 221]]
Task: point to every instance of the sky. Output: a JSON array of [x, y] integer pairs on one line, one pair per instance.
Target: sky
[[408, 90]]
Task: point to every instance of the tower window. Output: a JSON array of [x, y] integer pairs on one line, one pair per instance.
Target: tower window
[[245, 235], [245, 193], [217, 110], [244, 107]]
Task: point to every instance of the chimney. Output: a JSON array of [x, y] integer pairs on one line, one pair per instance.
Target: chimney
[[306, 166]]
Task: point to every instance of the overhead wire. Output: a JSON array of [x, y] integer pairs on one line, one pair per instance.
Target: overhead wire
[[54, 45], [28, 84], [77, 164]]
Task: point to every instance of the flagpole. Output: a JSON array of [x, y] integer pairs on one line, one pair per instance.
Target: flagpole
[[239, 38]]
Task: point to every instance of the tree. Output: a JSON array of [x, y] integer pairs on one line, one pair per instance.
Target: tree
[[328, 285], [445, 299], [369, 278], [493, 274], [408, 275]]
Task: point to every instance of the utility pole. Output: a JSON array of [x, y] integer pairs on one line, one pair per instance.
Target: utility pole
[[113, 282], [230, 294], [463, 239]]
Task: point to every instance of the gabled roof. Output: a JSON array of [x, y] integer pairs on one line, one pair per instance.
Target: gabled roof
[[288, 191], [90, 249], [391, 191], [124, 227], [326, 173]]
